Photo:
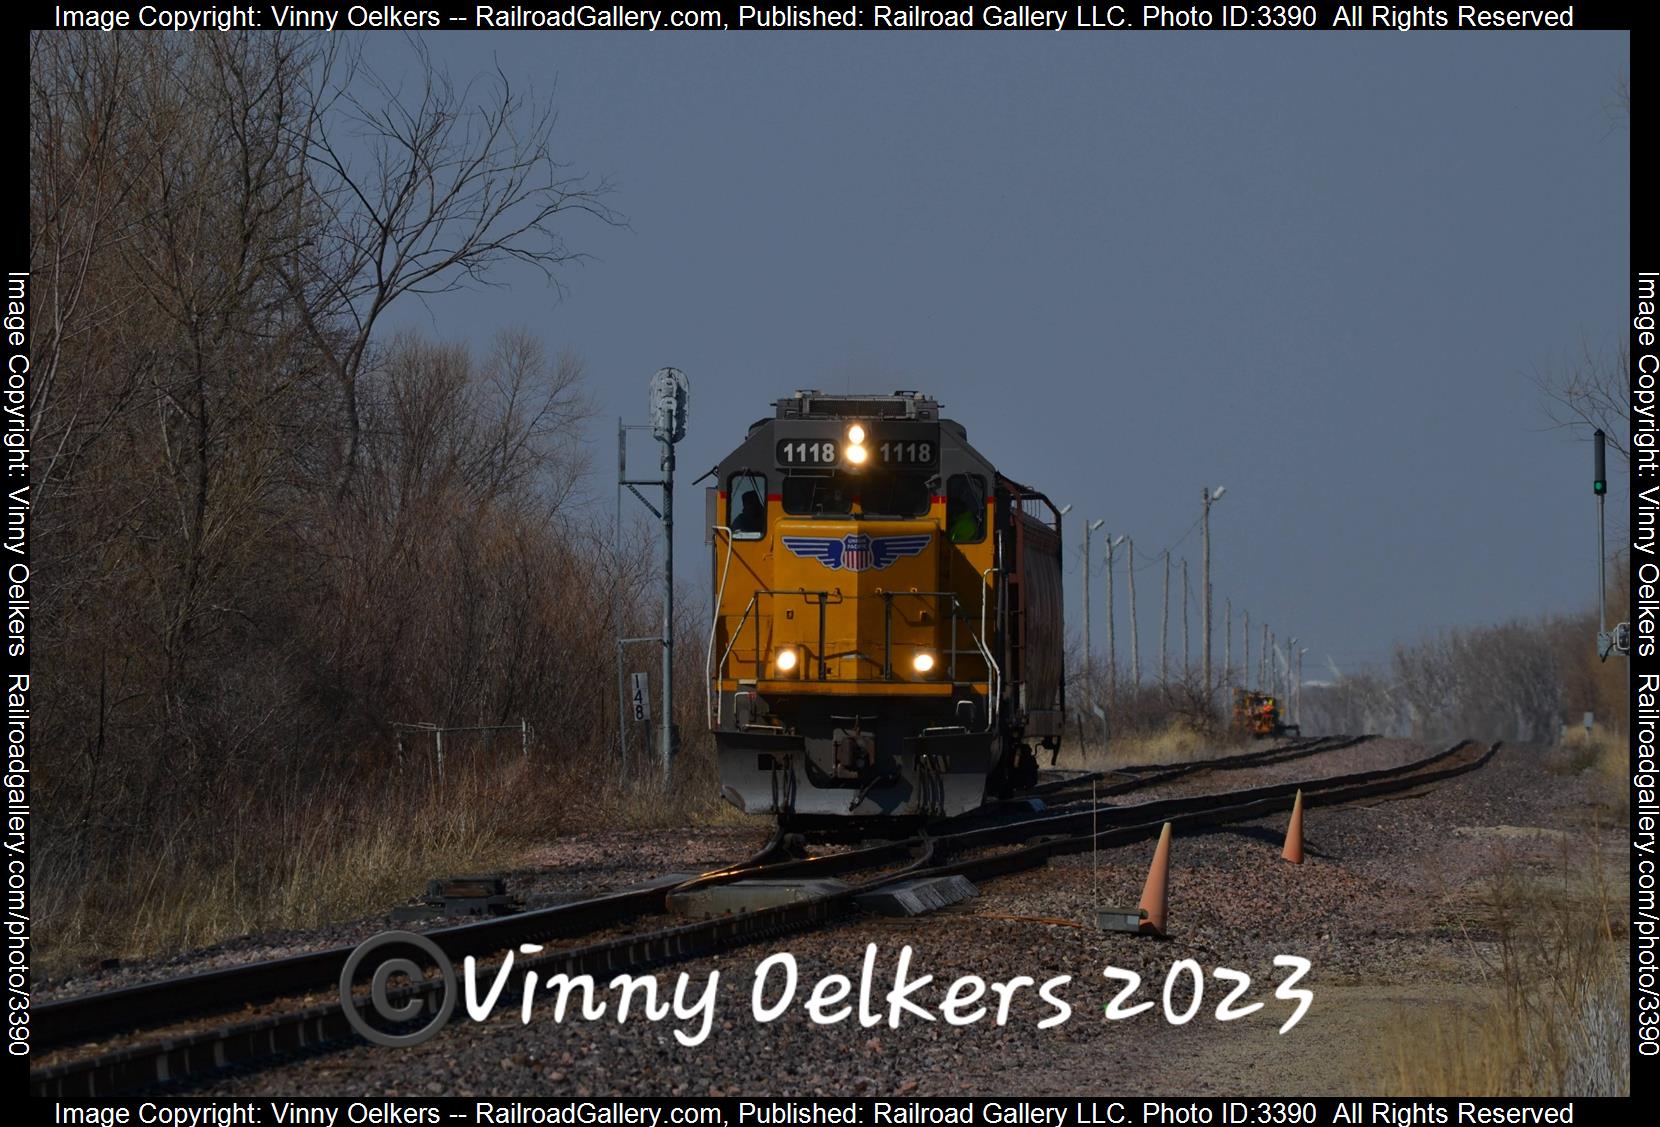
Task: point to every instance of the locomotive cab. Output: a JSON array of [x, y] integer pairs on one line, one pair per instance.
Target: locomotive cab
[[883, 602]]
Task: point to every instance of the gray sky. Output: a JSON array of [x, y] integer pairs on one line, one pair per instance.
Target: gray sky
[[1317, 268]]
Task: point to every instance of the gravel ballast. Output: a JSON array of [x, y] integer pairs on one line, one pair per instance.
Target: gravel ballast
[[1386, 911]]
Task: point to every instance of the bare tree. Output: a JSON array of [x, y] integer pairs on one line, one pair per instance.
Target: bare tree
[[1590, 392], [1618, 105], [1353, 704], [226, 629], [1498, 682], [422, 191]]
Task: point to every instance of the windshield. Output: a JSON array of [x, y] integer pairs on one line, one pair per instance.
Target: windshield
[[877, 495]]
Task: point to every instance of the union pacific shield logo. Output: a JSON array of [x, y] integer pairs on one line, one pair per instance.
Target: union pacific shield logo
[[856, 551]]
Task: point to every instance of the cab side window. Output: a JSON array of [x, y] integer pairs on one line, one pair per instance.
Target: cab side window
[[965, 508], [746, 506]]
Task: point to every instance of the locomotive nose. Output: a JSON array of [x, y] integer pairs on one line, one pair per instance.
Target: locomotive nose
[[868, 598]]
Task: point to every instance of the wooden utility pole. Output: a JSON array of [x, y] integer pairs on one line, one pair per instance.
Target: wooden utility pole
[[1227, 641], [1187, 666], [1209, 497], [1112, 644], [1297, 691], [1164, 624], [1089, 636], [1135, 637]]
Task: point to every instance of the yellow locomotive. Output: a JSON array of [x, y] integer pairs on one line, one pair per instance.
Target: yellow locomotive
[[1258, 715], [887, 635]]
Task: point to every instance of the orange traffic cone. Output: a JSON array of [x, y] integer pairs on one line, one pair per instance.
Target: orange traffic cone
[[1293, 850], [1155, 894]]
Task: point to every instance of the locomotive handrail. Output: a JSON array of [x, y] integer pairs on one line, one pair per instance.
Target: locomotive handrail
[[715, 680], [994, 676], [823, 599], [711, 706], [887, 625], [737, 632], [1025, 493]]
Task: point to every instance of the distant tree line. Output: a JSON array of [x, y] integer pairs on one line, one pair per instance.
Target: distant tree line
[[1520, 681]]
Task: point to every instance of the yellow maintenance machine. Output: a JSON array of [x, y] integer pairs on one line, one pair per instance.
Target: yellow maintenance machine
[[1258, 715]]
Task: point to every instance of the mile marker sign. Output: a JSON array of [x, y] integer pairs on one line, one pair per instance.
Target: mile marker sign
[[640, 697]]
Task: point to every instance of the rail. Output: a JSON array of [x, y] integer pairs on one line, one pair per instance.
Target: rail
[[180, 1055]]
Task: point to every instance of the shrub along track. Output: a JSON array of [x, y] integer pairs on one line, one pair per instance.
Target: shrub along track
[[979, 853]]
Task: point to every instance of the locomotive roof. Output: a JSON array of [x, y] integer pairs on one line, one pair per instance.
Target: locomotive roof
[[810, 403]]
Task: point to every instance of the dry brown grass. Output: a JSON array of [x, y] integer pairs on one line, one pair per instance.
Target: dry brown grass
[[354, 852], [1177, 741], [1556, 971], [1604, 759]]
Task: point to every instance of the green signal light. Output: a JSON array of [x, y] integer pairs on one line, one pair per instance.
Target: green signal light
[[1599, 487]]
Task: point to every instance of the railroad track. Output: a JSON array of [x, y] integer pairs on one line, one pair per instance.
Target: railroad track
[[171, 1057], [1145, 775], [152, 1004]]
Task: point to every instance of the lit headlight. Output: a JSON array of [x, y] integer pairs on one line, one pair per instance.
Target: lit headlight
[[923, 662], [856, 434], [855, 454], [785, 660]]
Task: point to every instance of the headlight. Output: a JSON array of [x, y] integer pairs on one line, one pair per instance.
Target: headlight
[[923, 662], [785, 660], [856, 434], [855, 454]]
